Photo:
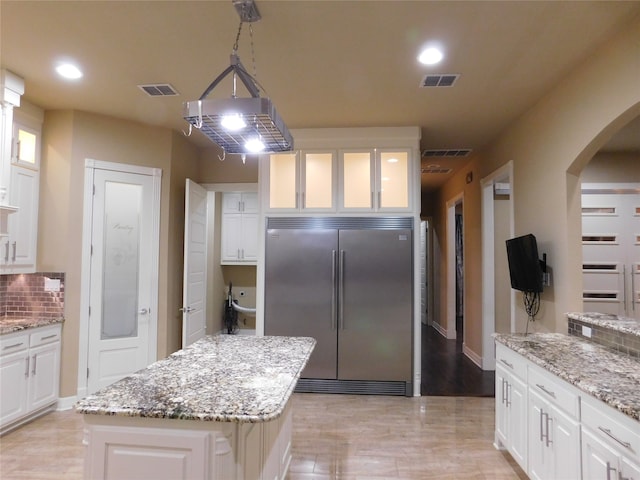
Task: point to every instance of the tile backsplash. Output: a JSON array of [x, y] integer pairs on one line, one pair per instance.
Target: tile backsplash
[[619, 341], [24, 295]]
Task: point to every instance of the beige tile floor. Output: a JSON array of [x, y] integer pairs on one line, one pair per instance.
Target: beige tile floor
[[335, 437]]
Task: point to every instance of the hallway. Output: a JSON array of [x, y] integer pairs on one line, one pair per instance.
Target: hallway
[[446, 371]]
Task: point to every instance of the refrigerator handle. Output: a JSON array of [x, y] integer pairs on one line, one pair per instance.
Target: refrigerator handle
[[334, 291], [341, 290]]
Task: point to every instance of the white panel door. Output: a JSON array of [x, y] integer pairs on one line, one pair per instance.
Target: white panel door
[[195, 264], [121, 265], [611, 249]]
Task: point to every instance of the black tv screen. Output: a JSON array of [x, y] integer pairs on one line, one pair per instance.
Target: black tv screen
[[524, 264]]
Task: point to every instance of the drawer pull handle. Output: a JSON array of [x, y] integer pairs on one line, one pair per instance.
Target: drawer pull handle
[[13, 346], [548, 392], [48, 337], [507, 363], [608, 433]]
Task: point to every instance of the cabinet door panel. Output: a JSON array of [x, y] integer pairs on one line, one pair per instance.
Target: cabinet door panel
[[394, 180], [13, 386], [565, 438], [518, 421], [598, 460], [44, 375], [231, 232], [23, 224], [249, 239], [502, 413], [357, 180], [538, 452], [318, 180], [283, 181]]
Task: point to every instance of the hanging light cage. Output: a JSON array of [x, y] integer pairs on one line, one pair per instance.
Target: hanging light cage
[[259, 115]]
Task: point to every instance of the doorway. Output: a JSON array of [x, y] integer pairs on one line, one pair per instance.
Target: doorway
[[119, 295]]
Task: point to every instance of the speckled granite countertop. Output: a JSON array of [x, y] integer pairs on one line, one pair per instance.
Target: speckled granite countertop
[[222, 378], [15, 324], [611, 377], [606, 320]]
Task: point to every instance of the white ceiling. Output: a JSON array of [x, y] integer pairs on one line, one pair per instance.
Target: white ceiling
[[323, 63]]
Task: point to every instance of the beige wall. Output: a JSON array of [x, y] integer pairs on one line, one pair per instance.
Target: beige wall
[[549, 146], [68, 139], [612, 167]]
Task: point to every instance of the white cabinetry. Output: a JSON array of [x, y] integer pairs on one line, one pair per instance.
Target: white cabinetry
[[511, 404], [19, 244], [30, 373], [163, 449], [349, 170], [374, 180], [303, 181], [239, 242], [554, 429], [610, 443]]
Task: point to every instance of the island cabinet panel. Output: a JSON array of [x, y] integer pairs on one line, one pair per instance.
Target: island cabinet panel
[[170, 449]]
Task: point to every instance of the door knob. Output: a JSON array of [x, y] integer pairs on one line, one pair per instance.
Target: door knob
[[186, 309], [143, 311]]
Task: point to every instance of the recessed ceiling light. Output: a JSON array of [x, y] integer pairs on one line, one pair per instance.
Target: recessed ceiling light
[[392, 160], [69, 71], [430, 56]]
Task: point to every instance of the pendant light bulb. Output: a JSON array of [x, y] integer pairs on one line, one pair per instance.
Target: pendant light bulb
[[233, 122], [254, 145]]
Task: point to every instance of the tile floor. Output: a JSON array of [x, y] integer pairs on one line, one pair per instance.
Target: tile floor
[[351, 437]]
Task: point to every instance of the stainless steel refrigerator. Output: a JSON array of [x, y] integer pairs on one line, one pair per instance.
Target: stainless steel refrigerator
[[348, 283]]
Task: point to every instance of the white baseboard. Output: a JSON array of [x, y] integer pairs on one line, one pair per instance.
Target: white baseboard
[[440, 329], [66, 403], [473, 356]]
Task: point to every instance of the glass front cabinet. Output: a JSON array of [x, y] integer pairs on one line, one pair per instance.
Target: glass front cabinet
[[358, 181], [301, 181]]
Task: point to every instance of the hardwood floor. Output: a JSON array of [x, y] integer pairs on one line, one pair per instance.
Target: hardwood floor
[[350, 437], [447, 371]]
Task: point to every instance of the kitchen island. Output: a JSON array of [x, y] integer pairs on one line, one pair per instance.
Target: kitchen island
[[218, 409]]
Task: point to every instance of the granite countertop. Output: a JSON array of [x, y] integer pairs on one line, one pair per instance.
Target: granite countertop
[[221, 378], [604, 374], [16, 324], [606, 320]]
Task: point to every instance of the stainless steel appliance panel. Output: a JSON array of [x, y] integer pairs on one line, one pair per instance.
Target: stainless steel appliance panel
[[300, 292], [375, 305]]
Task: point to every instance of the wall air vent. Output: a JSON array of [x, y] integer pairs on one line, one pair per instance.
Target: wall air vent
[[459, 152], [159, 90], [437, 169], [439, 80]]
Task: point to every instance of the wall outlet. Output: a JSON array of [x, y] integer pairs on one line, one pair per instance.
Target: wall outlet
[[51, 284], [586, 331]]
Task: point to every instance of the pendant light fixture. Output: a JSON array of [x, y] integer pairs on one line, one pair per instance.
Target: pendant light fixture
[[240, 124]]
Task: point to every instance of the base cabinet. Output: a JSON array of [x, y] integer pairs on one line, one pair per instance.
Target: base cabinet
[[561, 433], [554, 441], [29, 374], [163, 449], [610, 444]]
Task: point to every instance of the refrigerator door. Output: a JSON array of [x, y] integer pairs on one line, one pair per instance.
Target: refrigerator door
[[375, 305], [300, 292]]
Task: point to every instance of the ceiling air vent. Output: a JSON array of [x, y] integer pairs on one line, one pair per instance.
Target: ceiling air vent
[[439, 80], [458, 152], [435, 169], [159, 90]]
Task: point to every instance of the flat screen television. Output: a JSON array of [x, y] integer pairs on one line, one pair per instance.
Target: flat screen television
[[524, 264]]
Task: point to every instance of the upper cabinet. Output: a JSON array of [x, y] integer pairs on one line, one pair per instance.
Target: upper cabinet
[[19, 243], [239, 239], [301, 181], [360, 170], [375, 180]]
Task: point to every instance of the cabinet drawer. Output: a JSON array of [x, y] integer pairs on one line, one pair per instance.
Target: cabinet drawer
[[44, 336], [612, 427], [13, 343], [555, 390], [514, 363]]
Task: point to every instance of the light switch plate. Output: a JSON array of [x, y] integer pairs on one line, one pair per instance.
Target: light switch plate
[[586, 331]]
